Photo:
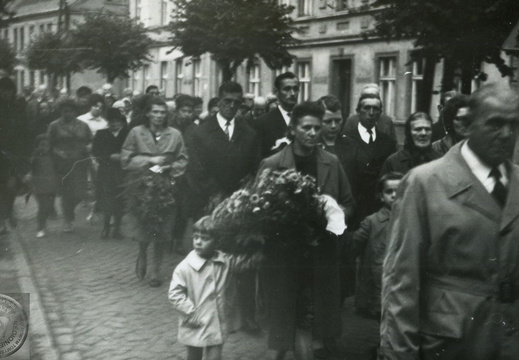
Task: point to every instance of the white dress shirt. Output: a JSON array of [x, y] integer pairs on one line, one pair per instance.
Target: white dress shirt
[[285, 115], [364, 135], [94, 123], [482, 170], [223, 121]]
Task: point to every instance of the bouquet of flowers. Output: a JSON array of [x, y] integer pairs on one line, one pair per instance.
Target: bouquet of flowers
[[278, 206], [150, 197]]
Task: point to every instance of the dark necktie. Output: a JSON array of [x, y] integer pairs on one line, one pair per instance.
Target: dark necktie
[[226, 129], [370, 132], [499, 192]]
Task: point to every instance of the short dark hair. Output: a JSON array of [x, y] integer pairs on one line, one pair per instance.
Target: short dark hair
[[184, 100], [304, 109], [368, 96], [392, 175], [212, 103], [66, 102], [151, 87], [83, 91], [451, 110], [281, 77], [113, 114], [153, 100], [95, 98], [447, 94], [204, 225], [197, 100], [229, 87], [330, 103]]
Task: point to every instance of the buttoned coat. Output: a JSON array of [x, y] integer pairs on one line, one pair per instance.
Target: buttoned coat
[[217, 165], [450, 247], [401, 161], [204, 291]]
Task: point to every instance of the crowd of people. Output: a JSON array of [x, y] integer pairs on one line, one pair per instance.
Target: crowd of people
[[428, 218]]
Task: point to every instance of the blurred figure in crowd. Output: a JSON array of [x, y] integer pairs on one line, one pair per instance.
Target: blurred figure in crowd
[[454, 117]]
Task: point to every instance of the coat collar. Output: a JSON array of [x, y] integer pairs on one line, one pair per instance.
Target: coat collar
[[214, 128], [383, 214], [197, 262], [145, 134], [462, 184], [287, 161]]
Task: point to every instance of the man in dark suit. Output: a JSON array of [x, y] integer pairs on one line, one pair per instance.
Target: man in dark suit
[[451, 274], [222, 153], [272, 126], [364, 154]]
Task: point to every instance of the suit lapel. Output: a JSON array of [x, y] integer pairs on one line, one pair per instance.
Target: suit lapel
[[286, 158], [148, 140], [462, 184], [216, 131], [511, 209], [323, 168]]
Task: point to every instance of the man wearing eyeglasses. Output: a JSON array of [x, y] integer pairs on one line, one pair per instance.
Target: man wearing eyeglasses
[[222, 152]]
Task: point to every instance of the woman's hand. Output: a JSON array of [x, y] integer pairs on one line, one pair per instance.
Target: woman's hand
[[157, 160], [115, 157]]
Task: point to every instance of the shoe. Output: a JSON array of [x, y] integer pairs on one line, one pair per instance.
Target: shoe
[[105, 232], [40, 234], [68, 228], [140, 267], [155, 282]]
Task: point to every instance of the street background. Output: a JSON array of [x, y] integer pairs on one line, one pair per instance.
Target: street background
[[87, 303]]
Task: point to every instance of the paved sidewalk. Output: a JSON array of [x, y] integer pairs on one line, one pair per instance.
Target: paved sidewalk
[[94, 307]]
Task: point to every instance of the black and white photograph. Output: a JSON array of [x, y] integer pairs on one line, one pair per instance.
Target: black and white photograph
[[259, 179]]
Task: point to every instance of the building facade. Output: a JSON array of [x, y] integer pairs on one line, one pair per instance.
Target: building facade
[[332, 57], [33, 17]]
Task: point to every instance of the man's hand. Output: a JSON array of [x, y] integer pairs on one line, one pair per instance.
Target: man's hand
[[157, 160]]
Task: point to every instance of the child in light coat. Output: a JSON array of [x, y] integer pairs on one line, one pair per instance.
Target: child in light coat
[[203, 291]]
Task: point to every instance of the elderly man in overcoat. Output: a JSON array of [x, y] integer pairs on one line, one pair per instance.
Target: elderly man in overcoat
[[451, 274]]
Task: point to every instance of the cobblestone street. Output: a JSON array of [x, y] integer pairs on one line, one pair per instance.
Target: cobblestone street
[[94, 307]]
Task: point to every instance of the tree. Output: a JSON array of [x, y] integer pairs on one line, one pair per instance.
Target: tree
[[462, 33], [7, 56], [54, 53], [111, 44], [5, 12], [234, 31]]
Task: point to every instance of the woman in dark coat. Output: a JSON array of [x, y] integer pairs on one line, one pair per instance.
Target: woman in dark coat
[[69, 139], [110, 177]]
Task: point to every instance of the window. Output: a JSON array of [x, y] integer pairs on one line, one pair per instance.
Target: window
[[138, 7], [417, 84], [179, 75], [32, 78], [42, 28], [197, 77], [31, 31], [341, 5], [136, 79], [254, 80], [22, 38], [6, 34], [42, 77], [49, 27], [164, 76], [387, 83], [145, 76], [15, 39], [164, 12], [305, 7], [303, 73]]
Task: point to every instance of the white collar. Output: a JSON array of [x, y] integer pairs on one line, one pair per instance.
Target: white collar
[[223, 121], [364, 135], [481, 170], [197, 262], [115, 133], [285, 115]]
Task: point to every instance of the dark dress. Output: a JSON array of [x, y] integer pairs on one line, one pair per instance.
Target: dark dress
[[110, 176]]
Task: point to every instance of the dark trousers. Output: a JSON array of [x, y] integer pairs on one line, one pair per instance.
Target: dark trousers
[[247, 294], [45, 208]]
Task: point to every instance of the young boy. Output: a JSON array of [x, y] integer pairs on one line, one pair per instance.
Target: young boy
[[202, 290], [370, 242]]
